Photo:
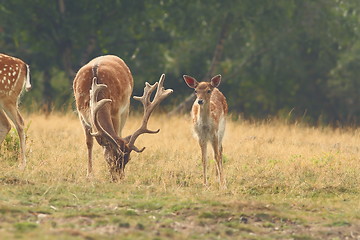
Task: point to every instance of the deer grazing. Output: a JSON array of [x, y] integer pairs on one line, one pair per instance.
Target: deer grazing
[[14, 75], [102, 90], [208, 115]]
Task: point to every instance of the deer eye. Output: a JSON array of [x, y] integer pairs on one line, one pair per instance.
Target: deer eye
[[208, 91]]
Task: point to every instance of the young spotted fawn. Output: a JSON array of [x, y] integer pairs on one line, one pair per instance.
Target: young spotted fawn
[[208, 115]]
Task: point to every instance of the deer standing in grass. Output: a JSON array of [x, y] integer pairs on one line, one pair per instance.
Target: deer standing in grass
[[14, 75], [208, 115], [102, 90]]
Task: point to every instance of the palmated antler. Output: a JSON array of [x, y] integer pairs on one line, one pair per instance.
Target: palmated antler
[[149, 107], [94, 108]]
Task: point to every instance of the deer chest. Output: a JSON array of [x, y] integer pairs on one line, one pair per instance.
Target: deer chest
[[204, 129]]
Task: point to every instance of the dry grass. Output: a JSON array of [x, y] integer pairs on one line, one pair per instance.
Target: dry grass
[[284, 182], [268, 157]]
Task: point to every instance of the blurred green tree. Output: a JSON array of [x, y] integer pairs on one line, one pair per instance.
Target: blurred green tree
[[276, 57]]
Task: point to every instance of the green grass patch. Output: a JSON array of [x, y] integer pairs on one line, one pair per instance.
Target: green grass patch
[[339, 224], [302, 237], [215, 214], [23, 227]]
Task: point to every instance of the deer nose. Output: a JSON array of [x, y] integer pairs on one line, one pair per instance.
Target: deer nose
[[200, 101]]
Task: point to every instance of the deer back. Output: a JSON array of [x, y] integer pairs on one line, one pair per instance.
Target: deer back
[[14, 73], [111, 71]]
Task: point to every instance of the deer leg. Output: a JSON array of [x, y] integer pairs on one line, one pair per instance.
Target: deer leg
[[203, 146], [18, 121], [123, 118], [221, 157], [119, 119], [89, 143], [222, 179], [116, 121], [4, 126], [218, 159]]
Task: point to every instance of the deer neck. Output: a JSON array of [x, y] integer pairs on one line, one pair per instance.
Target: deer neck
[[108, 130], [204, 112]]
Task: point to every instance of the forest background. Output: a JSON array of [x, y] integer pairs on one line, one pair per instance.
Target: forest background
[[295, 59]]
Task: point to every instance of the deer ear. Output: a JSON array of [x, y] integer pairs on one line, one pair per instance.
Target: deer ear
[[215, 81], [190, 81]]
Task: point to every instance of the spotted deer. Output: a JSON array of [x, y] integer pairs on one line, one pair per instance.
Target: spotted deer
[[208, 115], [14, 76], [102, 90]]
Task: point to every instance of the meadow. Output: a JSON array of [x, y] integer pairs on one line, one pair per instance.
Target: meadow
[[284, 181]]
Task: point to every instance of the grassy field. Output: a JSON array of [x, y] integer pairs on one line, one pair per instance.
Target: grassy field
[[284, 182]]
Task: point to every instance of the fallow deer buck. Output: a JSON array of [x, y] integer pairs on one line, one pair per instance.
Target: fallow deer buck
[[208, 115], [102, 90], [14, 76]]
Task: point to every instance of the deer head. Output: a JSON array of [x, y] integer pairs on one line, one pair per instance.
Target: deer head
[[203, 90], [117, 150]]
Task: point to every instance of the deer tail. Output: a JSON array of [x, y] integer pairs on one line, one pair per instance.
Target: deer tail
[[27, 83]]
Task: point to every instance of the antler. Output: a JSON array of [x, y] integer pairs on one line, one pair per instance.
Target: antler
[[95, 107], [149, 107]]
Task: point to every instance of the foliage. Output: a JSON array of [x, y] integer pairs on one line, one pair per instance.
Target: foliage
[[278, 56]]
